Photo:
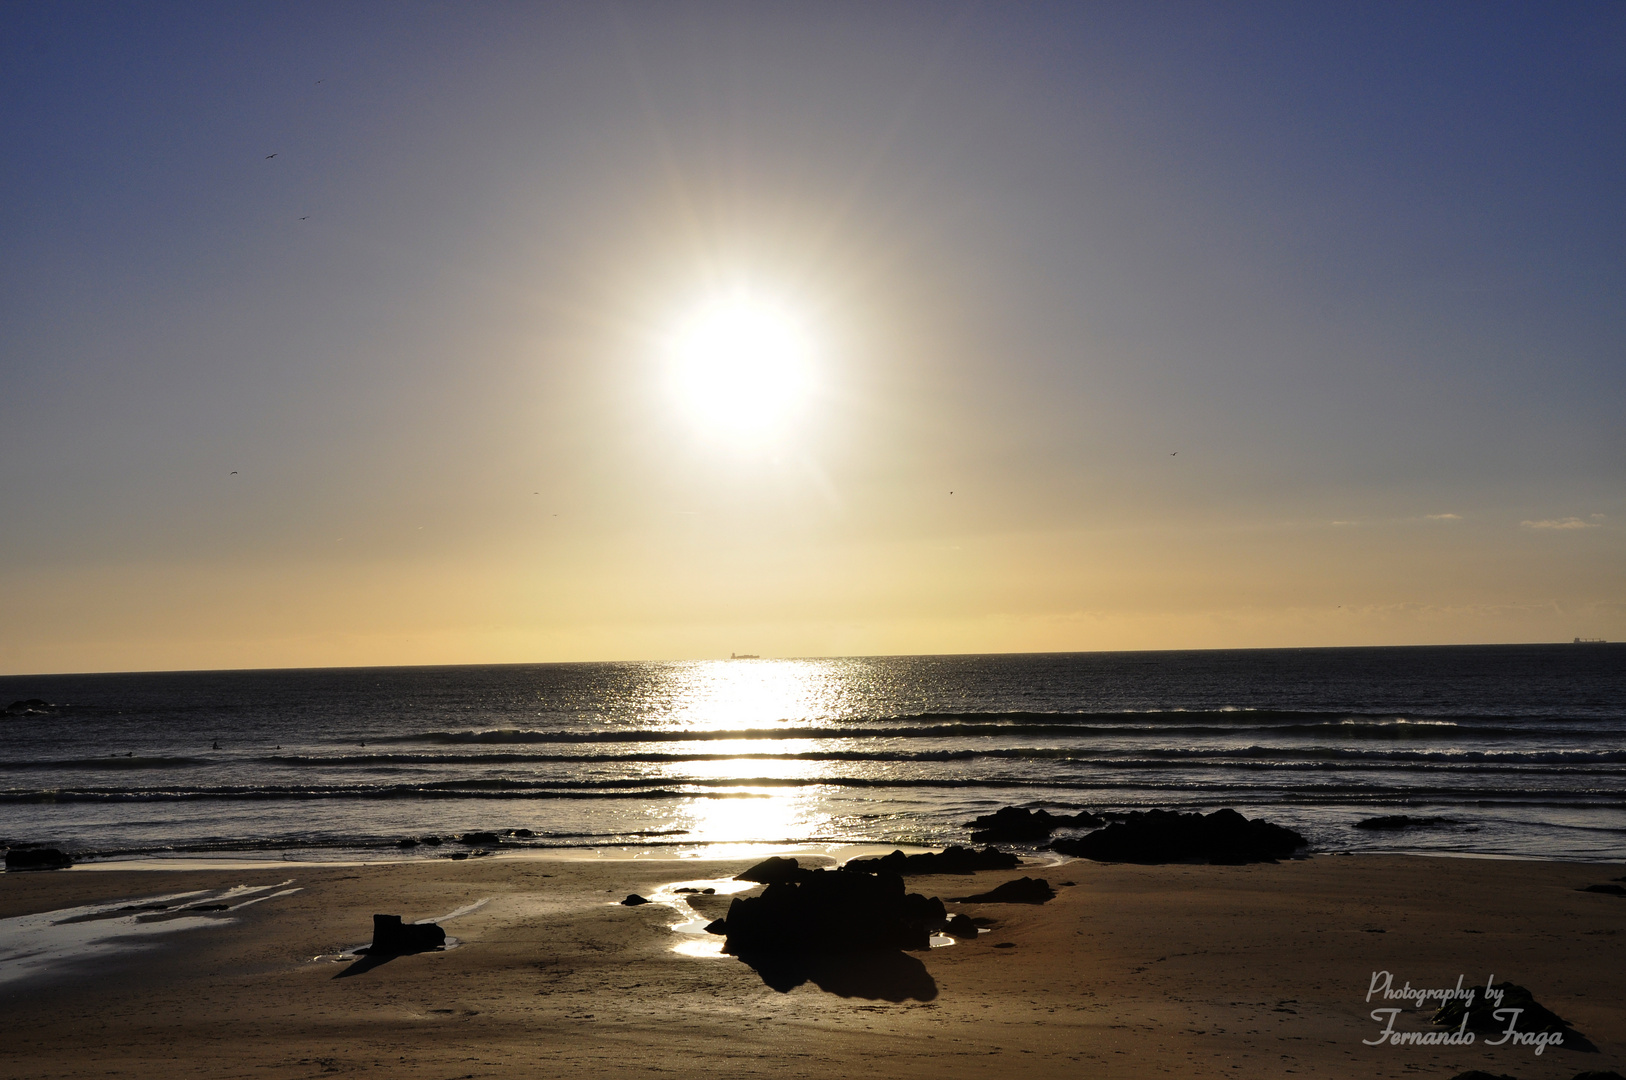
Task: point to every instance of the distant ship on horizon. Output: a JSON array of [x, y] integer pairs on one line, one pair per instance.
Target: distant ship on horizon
[[754, 656]]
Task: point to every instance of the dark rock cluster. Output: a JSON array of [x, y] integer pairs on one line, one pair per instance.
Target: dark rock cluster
[[1482, 1009], [1014, 825], [952, 860], [28, 707], [1162, 836], [831, 911]]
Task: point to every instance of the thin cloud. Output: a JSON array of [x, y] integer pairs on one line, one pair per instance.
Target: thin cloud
[[1443, 517], [1561, 523]]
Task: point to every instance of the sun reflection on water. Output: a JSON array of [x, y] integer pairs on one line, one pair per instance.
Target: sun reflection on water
[[754, 816], [739, 695], [728, 694]]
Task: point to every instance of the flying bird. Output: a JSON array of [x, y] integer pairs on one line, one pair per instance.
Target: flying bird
[[234, 472], [268, 157], [305, 218], [1174, 453]]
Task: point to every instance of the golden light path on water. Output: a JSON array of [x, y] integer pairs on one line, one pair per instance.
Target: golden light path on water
[[726, 695], [735, 695]]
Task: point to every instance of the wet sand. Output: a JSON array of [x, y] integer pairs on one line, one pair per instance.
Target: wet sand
[[1194, 971]]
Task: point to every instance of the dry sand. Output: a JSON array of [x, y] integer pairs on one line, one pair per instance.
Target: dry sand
[[1194, 971]]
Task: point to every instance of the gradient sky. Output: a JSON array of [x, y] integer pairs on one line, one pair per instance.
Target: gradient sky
[[1226, 325]]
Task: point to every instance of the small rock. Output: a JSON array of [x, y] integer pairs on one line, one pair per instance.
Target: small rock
[[1611, 890], [479, 839], [961, 926], [1399, 821], [633, 900], [772, 871], [1023, 890], [523, 833], [392, 937], [717, 926], [410, 841], [37, 858]]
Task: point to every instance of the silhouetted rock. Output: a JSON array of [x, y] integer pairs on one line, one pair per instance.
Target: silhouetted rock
[[961, 926], [1482, 1011], [1013, 824], [832, 911], [407, 841], [1160, 836], [523, 834], [392, 937], [633, 900], [952, 860], [479, 839], [773, 870], [1023, 890], [37, 858], [28, 707], [432, 841], [1395, 822], [881, 975], [1612, 890], [717, 926]]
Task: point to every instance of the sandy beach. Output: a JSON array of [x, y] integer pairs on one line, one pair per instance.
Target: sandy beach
[[1131, 971]]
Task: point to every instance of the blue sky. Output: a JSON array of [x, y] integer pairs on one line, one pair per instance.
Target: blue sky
[[1253, 324]]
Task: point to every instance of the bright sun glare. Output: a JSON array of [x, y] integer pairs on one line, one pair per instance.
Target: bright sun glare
[[740, 364]]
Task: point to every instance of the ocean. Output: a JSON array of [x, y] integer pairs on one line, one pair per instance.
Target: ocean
[[1516, 751]]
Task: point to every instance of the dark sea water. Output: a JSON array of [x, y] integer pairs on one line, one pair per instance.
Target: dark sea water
[[1520, 749]]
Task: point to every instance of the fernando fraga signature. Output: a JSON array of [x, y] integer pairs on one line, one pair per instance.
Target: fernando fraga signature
[[1382, 986]]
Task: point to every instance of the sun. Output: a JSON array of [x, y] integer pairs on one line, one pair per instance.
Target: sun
[[740, 364]]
